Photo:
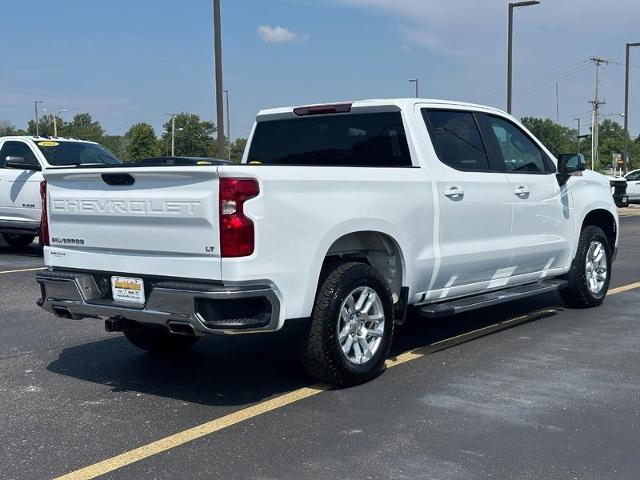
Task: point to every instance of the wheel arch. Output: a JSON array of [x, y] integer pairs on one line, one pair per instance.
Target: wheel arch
[[604, 219], [376, 248]]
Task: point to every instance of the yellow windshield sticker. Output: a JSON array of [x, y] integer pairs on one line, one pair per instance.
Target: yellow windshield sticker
[[48, 144], [203, 162], [255, 162]]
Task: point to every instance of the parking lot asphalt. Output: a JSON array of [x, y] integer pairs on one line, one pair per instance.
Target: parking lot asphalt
[[553, 394]]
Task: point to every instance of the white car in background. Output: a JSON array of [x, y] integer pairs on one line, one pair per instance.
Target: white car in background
[[22, 160], [633, 186]]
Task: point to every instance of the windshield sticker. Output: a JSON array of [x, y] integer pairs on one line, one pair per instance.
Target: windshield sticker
[[48, 144]]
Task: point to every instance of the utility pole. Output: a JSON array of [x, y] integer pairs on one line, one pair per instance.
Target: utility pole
[[55, 121], [417, 82], [513, 6], [226, 92], [595, 122], [578, 119], [35, 103], [625, 160], [173, 134], [557, 104], [217, 27]]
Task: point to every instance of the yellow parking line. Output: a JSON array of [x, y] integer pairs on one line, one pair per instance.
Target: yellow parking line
[[191, 434], [23, 270], [199, 431], [624, 288]]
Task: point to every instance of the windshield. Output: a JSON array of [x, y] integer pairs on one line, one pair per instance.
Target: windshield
[[76, 153]]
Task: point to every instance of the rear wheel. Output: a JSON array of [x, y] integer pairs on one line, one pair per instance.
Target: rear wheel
[[18, 241], [351, 326], [158, 339], [590, 272]]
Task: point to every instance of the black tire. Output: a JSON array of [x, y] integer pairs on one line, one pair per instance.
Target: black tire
[[158, 340], [578, 294], [18, 241], [323, 356]]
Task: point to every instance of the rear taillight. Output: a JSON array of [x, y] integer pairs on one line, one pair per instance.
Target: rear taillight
[[44, 221], [237, 236]]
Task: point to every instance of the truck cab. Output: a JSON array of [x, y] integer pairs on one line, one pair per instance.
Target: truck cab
[[22, 162]]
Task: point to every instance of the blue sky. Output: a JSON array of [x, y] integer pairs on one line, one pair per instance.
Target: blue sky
[[135, 61]]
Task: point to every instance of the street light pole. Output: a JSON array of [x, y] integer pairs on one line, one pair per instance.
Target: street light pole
[[513, 6], [578, 134], [173, 134], [35, 103], [217, 26], [626, 108], [55, 122], [226, 92], [417, 82]]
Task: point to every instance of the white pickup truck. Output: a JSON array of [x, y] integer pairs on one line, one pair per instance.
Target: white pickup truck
[[342, 216], [22, 160]]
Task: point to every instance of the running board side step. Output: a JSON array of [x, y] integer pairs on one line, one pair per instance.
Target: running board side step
[[461, 305]]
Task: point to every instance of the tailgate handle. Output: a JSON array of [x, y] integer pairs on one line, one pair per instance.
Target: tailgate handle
[[118, 179]]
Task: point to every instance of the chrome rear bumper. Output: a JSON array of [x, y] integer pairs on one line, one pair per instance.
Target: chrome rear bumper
[[206, 308]]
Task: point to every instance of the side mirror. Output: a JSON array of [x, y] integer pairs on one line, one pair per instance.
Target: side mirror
[[571, 162], [20, 163]]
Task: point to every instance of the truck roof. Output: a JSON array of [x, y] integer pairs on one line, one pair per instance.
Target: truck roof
[[41, 138], [401, 103]]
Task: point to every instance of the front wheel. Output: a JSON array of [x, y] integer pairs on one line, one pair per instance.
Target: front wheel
[[590, 272], [158, 340], [18, 241], [351, 326]]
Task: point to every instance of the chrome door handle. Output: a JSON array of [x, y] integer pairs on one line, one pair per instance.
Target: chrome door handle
[[454, 192], [521, 190]]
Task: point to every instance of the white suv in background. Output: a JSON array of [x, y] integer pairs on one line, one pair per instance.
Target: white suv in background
[[633, 186], [22, 160]]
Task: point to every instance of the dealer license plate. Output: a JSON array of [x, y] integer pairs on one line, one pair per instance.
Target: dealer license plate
[[126, 289]]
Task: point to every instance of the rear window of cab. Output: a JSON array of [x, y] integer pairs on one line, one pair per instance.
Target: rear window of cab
[[349, 140]]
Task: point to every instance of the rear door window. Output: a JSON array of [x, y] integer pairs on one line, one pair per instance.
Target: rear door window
[[457, 140], [348, 140]]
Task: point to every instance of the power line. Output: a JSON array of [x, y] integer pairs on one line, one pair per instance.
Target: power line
[[542, 80], [551, 80]]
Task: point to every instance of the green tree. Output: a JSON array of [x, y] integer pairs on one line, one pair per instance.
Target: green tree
[[141, 142], [115, 143], [611, 141], [193, 136], [557, 138], [237, 149], [45, 126], [7, 128], [82, 127]]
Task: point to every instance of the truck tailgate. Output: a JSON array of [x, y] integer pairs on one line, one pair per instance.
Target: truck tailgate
[[140, 220]]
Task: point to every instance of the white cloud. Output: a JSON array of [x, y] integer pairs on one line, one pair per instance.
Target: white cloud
[[277, 34]]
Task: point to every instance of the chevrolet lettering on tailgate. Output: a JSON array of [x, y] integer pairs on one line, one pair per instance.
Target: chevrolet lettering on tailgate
[[125, 207]]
